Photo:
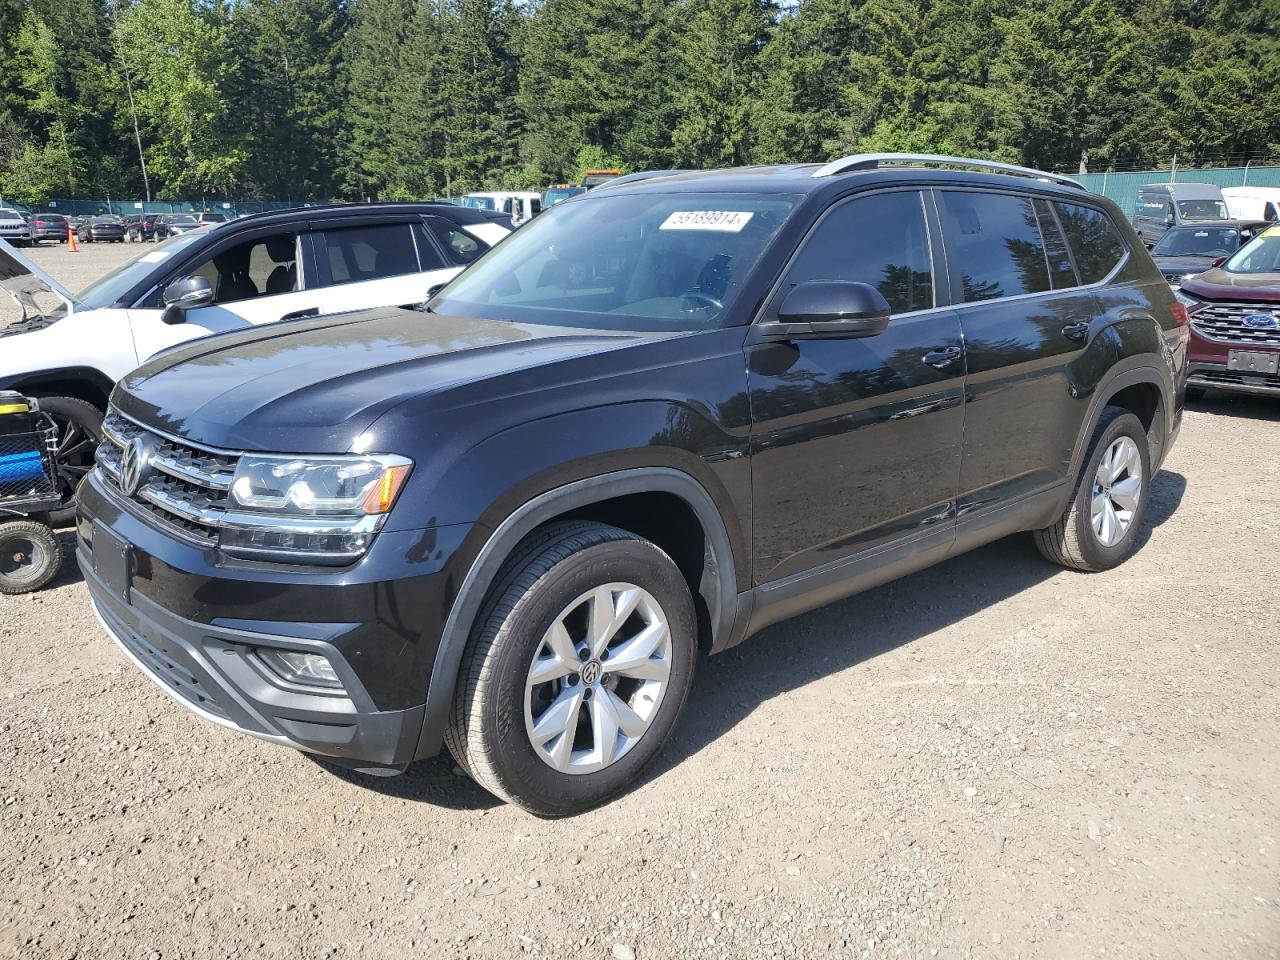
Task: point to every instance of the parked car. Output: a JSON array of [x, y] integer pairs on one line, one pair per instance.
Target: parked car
[[140, 227], [262, 269], [1253, 203], [103, 228], [1161, 206], [48, 226], [1183, 251], [1235, 321], [520, 206], [658, 417], [13, 227], [172, 224], [561, 191], [211, 216]]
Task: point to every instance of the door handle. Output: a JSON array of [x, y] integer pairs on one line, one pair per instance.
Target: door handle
[[1076, 331], [942, 357], [299, 314]]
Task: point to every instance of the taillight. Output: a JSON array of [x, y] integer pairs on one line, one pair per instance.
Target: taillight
[[1180, 315]]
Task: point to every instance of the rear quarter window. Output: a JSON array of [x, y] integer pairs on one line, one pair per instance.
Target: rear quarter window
[[1094, 240]]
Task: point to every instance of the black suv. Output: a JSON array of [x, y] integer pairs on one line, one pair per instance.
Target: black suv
[[663, 415]]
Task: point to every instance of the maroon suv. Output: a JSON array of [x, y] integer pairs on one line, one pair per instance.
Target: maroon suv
[[1235, 321]]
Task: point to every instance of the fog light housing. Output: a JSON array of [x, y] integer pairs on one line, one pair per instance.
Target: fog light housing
[[295, 666]]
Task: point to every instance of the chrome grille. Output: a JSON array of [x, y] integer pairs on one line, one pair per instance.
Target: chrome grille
[[1225, 321], [187, 487]]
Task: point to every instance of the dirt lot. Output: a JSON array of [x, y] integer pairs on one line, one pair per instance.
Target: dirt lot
[[990, 759]]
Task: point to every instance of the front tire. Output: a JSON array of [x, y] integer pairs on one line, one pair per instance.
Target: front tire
[[79, 433], [580, 663], [1100, 527]]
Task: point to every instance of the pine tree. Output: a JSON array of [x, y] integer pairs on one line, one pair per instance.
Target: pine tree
[[718, 47], [291, 89]]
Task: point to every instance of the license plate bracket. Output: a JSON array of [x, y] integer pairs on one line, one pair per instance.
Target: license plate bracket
[[1258, 362], [112, 562]]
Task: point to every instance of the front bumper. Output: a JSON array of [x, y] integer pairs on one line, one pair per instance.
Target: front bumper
[[193, 620], [1216, 376]]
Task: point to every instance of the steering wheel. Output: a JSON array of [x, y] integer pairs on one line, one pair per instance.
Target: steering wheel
[[704, 301]]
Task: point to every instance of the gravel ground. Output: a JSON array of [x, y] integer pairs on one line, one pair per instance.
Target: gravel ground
[[993, 759]]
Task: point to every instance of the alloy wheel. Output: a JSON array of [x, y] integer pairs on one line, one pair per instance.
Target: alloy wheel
[[1117, 488], [598, 678]]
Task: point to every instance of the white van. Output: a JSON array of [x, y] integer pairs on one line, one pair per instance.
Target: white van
[[522, 206], [1253, 203]]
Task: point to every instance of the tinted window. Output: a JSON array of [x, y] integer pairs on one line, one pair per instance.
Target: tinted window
[[993, 245], [460, 246], [1061, 271], [264, 266], [880, 240], [1096, 245], [370, 253]]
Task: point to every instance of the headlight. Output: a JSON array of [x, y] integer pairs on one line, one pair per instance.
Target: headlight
[[1186, 299], [310, 509]]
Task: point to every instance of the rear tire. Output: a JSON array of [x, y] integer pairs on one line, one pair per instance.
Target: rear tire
[[30, 556], [1100, 527], [609, 699]]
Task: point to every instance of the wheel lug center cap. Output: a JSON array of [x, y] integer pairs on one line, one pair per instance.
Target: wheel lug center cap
[[590, 672]]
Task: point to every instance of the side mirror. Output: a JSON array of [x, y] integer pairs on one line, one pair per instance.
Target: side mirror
[[185, 294], [1168, 219], [829, 309], [435, 288]]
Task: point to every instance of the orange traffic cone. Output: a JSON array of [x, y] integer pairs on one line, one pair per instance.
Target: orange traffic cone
[[72, 246]]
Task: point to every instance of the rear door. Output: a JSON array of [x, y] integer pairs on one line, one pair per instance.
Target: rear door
[[378, 263], [1029, 322]]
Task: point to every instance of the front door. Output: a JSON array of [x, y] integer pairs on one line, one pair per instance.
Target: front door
[[857, 442], [261, 279]]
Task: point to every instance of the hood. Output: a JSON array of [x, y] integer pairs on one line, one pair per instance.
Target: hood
[[1184, 264], [313, 386], [23, 281], [1219, 284]]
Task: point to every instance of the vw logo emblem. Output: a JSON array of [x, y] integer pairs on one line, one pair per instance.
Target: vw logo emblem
[[590, 672], [135, 468], [1260, 321]]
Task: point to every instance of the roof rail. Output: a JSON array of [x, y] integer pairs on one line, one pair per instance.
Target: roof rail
[[872, 161], [639, 176]]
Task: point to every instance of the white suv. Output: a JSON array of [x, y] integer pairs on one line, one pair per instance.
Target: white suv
[[69, 350]]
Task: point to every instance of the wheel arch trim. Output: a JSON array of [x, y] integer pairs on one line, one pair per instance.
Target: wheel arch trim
[[718, 587], [1134, 376]]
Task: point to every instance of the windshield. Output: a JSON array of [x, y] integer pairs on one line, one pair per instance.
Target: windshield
[[556, 194], [1259, 255], [7, 214], [479, 203], [213, 217], [1197, 242], [113, 285], [1203, 210], [631, 262], [181, 220]]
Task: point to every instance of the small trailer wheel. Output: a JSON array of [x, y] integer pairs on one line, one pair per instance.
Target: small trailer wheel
[[29, 556]]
